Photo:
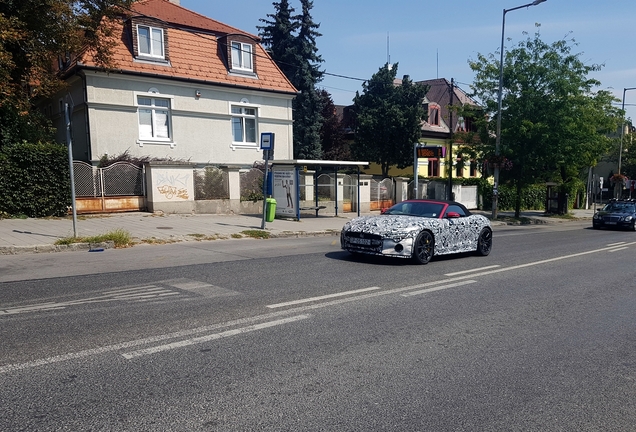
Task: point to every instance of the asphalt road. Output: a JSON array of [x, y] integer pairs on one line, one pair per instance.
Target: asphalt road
[[295, 335]]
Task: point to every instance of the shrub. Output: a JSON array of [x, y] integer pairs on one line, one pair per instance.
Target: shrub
[[34, 179], [210, 184]]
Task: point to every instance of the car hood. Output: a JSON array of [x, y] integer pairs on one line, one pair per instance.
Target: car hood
[[390, 224], [614, 213]]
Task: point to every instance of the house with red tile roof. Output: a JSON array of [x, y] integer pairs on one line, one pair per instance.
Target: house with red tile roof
[[180, 86], [441, 127]]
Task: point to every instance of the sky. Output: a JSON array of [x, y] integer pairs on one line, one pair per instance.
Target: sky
[[436, 39]]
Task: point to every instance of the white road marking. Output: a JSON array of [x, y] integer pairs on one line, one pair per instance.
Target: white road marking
[[328, 296], [439, 288], [615, 244], [127, 294], [471, 270], [281, 313], [214, 336], [619, 249]]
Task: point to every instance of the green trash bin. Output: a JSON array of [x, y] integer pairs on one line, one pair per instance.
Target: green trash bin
[[270, 209]]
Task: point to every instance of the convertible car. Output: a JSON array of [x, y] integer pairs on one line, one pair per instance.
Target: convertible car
[[418, 229]]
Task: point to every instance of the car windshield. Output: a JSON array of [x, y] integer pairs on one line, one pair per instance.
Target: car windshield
[[422, 209], [618, 207]]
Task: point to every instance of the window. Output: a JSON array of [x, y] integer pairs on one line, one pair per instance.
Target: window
[[243, 125], [456, 209], [242, 56], [154, 118], [433, 167], [461, 124], [433, 115], [150, 41], [459, 168], [473, 168]]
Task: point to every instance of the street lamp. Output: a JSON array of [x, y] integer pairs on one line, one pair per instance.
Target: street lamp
[[498, 137], [620, 151]]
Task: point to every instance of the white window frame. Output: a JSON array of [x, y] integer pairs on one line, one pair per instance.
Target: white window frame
[[151, 29], [243, 116], [239, 64], [154, 95]]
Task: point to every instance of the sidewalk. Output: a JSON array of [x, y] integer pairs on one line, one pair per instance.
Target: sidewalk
[[39, 235]]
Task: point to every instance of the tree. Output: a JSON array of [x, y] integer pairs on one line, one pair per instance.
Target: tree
[[33, 35], [332, 131], [291, 41], [388, 119], [278, 37], [553, 123]]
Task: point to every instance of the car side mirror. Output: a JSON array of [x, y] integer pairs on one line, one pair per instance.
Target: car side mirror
[[452, 215]]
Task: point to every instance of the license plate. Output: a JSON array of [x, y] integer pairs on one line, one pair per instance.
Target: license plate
[[360, 241], [610, 223]]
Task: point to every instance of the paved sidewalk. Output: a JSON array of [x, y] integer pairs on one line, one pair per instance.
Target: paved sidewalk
[[39, 235]]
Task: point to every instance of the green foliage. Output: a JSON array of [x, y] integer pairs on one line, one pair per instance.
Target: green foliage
[[388, 119], [34, 179], [20, 126], [257, 234], [211, 184], [35, 33], [252, 185], [331, 134], [120, 237], [553, 122], [291, 41]]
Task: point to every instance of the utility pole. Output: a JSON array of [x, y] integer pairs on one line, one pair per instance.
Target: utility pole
[[450, 150]]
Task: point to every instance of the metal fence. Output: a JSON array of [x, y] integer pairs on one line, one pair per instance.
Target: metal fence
[[252, 184], [118, 179], [211, 183]]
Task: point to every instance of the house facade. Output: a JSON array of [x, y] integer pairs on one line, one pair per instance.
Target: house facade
[[440, 128], [436, 131], [181, 87]]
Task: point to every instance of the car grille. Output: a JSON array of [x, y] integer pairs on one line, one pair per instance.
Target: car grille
[[358, 241], [611, 218]]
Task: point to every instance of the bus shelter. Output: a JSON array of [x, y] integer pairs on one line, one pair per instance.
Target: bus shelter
[[285, 183]]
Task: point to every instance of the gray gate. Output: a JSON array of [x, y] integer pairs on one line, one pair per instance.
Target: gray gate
[[118, 187]]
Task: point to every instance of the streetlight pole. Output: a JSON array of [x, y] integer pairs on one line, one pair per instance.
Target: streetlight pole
[[498, 137], [620, 151]]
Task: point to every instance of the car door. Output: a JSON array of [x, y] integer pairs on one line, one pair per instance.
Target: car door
[[458, 228]]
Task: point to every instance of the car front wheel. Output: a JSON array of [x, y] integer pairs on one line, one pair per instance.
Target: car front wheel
[[423, 247], [484, 242]]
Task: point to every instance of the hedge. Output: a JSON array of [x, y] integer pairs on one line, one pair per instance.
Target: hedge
[[34, 180]]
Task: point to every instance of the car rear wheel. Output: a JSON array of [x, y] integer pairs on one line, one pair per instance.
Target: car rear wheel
[[423, 247], [484, 242]]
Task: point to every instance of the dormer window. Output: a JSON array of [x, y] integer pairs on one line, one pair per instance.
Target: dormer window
[[242, 56], [151, 42], [433, 115]]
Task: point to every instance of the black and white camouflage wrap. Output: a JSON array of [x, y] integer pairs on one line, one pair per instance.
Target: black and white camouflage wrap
[[452, 235]]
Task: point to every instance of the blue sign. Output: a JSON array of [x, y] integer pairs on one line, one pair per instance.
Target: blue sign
[[267, 141]]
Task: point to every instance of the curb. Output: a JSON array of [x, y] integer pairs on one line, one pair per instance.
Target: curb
[[47, 248]]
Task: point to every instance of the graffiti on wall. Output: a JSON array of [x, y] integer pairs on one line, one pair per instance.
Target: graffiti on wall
[[173, 186]]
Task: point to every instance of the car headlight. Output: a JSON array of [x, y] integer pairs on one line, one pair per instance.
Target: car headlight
[[596, 216], [405, 233], [627, 218]]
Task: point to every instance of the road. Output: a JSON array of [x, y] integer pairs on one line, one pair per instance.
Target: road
[[295, 335]]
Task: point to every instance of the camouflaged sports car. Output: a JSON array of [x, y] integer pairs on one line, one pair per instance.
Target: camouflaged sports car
[[418, 229]]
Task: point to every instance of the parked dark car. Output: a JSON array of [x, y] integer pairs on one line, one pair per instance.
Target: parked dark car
[[419, 229], [617, 213]]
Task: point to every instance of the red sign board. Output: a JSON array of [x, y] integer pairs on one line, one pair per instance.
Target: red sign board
[[429, 152]]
